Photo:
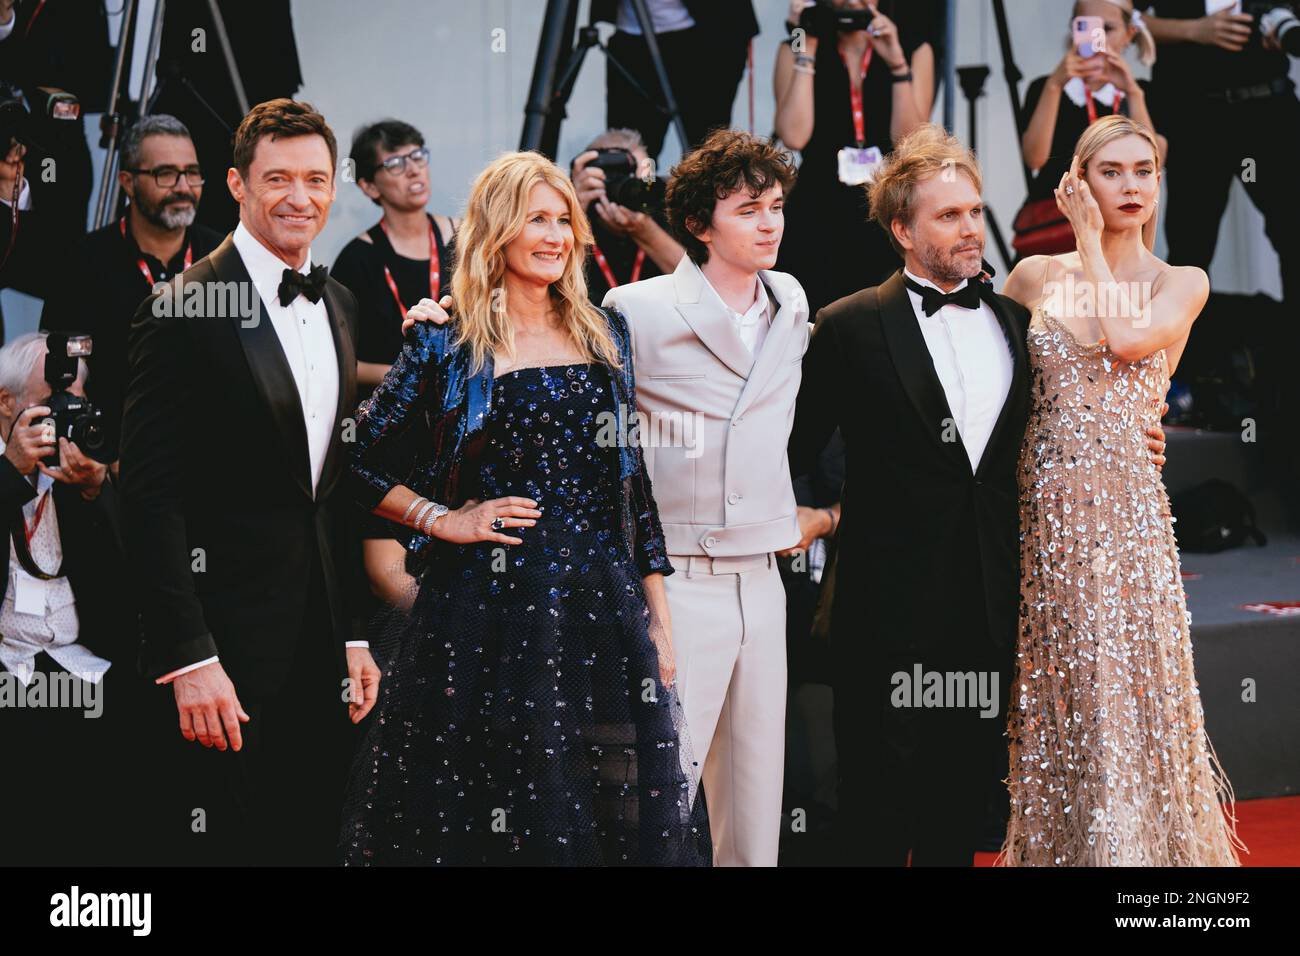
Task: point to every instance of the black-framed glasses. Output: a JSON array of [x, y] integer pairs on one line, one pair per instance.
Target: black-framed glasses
[[397, 164], [167, 176]]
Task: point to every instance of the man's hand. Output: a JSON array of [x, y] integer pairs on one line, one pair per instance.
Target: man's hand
[[622, 220], [589, 183], [814, 523], [77, 470], [426, 310], [209, 709], [1156, 440], [363, 683], [29, 443], [1225, 28]]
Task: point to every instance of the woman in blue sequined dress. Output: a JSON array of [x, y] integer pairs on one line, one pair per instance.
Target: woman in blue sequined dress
[[528, 715]]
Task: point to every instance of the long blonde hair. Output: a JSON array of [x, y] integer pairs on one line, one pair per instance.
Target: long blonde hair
[[497, 209]]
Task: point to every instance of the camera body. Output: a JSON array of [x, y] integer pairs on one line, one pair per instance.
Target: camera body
[[823, 19], [71, 416], [18, 124], [622, 184]]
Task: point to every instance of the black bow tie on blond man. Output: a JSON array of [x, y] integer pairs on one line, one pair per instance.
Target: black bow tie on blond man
[[294, 283], [932, 300]]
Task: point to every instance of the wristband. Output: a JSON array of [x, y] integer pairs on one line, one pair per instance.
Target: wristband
[[419, 516], [834, 521]]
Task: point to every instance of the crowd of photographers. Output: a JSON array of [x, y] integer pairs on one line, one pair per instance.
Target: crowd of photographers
[[843, 94]]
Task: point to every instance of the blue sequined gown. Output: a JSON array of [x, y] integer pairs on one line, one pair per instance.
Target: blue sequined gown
[[522, 720]]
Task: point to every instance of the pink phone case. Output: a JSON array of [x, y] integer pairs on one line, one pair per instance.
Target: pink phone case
[[1089, 35]]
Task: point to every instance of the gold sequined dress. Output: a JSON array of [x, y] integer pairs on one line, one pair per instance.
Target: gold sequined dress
[[1110, 763]]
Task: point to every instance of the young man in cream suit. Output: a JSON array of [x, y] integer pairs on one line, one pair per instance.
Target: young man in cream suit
[[718, 345]]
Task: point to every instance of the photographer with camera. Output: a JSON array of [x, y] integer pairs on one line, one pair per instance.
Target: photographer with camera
[[64, 627], [155, 240], [58, 55], [626, 207], [852, 78]]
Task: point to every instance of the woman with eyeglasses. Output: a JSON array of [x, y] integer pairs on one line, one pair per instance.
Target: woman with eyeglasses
[[403, 258]]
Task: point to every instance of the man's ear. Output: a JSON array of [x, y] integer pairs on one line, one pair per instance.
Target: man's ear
[[900, 231], [127, 182], [8, 405], [235, 183], [693, 227]]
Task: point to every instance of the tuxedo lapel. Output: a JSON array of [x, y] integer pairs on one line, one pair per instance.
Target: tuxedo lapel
[[269, 367], [915, 369], [1019, 368], [773, 349], [708, 320], [345, 358]]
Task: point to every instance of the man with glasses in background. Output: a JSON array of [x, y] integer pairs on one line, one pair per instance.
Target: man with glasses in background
[[110, 271]]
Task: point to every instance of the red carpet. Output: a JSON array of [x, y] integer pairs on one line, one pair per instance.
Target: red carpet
[[1269, 828]]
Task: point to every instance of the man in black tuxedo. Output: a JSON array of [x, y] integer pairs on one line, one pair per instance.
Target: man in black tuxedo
[[242, 377]]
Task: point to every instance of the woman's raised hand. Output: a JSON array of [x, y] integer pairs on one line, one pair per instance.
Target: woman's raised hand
[[426, 310]]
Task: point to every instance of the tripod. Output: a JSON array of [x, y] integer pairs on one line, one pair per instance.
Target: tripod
[[972, 80], [112, 123], [555, 72]]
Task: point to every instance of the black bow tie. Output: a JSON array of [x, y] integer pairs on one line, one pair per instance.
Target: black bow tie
[[932, 300], [293, 283]]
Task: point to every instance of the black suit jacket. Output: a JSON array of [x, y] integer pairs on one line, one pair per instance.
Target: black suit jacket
[[214, 457], [929, 552], [93, 561]]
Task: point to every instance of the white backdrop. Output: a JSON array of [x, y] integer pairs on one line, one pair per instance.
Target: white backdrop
[[459, 70]]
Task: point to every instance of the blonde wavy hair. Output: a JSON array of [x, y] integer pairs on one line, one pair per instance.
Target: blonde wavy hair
[[495, 215]]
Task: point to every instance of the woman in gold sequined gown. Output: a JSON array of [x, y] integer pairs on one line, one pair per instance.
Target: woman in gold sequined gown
[[1110, 764]]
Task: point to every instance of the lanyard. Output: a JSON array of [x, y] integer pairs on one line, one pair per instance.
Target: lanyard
[[434, 280], [36, 13], [609, 273], [144, 266], [1092, 107], [36, 521], [855, 96]]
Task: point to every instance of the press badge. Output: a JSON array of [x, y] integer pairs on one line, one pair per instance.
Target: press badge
[[858, 166]]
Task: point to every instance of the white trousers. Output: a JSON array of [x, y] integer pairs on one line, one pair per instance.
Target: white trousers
[[728, 617]]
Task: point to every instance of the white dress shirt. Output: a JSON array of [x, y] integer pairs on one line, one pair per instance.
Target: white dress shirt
[[303, 329], [973, 361], [751, 326], [42, 615]]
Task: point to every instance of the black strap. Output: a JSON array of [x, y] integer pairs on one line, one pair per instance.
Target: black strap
[[18, 531]]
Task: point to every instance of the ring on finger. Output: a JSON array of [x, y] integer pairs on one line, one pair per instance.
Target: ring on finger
[[498, 523]]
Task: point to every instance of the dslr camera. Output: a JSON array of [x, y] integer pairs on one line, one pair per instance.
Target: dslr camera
[[823, 19], [622, 184], [71, 416]]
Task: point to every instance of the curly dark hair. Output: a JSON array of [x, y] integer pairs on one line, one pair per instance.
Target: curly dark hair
[[725, 162], [276, 118]]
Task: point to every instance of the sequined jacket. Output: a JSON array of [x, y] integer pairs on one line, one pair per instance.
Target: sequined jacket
[[423, 428]]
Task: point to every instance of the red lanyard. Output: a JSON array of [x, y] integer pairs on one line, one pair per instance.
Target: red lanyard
[[435, 282], [1092, 107], [36, 521], [855, 96], [144, 266], [39, 7], [609, 273]]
